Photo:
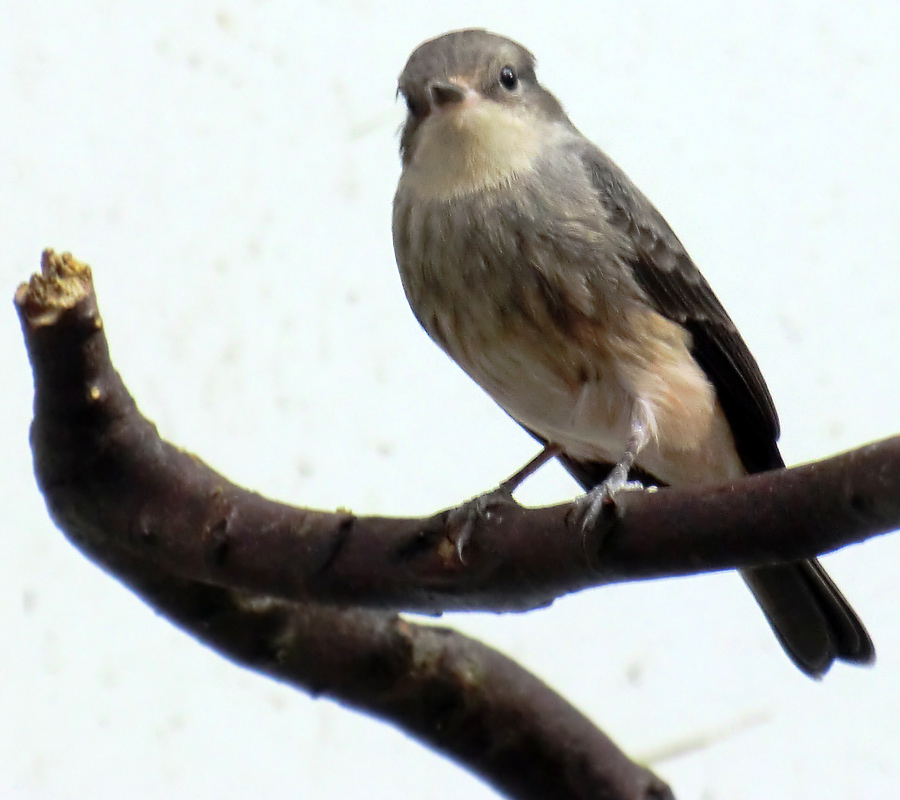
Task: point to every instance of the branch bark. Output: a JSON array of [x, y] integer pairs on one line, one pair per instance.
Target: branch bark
[[278, 589], [517, 559], [306, 596]]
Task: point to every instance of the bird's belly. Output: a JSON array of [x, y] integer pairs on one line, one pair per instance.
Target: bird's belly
[[583, 399], [570, 351], [541, 379]]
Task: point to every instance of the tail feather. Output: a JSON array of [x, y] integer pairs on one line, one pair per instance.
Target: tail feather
[[854, 643], [810, 616]]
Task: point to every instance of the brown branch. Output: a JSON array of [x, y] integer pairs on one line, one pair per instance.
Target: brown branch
[[517, 559], [213, 557]]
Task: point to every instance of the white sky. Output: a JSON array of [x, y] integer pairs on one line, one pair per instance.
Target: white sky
[[227, 169]]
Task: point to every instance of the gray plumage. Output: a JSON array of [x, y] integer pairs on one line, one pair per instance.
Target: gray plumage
[[535, 263]]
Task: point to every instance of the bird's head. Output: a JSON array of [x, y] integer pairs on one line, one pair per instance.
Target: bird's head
[[476, 114]]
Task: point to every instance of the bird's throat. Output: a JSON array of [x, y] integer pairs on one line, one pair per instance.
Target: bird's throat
[[472, 149]]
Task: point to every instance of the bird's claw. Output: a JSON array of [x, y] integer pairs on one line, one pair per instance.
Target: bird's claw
[[464, 518], [590, 505]]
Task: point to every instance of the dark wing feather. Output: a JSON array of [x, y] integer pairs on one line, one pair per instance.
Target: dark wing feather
[[678, 291], [811, 618]]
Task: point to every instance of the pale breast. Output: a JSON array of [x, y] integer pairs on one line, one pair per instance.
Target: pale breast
[[539, 307], [499, 288]]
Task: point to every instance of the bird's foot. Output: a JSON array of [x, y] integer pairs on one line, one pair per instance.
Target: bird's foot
[[464, 518], [591, 505]]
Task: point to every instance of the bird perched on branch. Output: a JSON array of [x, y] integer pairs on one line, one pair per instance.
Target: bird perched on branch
[[537, 265]]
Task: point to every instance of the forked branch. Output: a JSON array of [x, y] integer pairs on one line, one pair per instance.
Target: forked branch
[[308, 596]]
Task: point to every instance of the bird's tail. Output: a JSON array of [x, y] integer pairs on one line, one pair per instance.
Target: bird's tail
[[811, 618]]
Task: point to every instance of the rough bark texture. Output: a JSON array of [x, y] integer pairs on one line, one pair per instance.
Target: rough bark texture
[[254, 579], [307, 596]]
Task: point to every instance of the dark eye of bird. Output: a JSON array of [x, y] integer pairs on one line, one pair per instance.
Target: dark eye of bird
[[508, 78]]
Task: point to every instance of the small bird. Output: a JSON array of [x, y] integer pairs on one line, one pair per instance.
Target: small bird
[[535, 263]]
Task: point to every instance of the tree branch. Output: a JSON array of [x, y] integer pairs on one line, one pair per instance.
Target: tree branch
[[215, 558], [517, 559]]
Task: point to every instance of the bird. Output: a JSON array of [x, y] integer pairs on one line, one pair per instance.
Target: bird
[[534, 262]]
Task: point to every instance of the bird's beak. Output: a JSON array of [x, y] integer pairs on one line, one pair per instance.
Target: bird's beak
[[447, 95]]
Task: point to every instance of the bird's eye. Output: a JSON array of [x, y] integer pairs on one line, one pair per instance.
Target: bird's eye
[[508, 78]]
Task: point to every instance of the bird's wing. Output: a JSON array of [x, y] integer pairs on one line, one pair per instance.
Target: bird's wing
[[678, 291]]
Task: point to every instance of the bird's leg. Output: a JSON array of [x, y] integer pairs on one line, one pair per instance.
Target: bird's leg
[[515, 480], [591, 504], [468, 514]]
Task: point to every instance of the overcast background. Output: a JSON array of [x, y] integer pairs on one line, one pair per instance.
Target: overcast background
[[227, 169]]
